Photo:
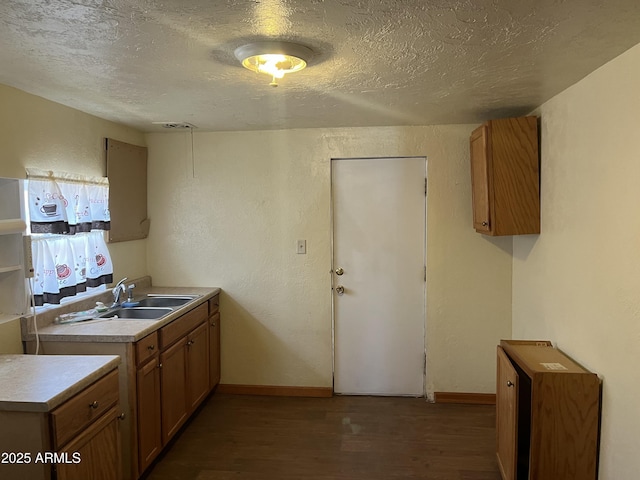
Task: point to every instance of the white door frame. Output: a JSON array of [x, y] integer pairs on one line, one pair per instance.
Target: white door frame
[[331, 232]]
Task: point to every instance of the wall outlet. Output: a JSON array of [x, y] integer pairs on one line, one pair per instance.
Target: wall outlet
[[301, 247]]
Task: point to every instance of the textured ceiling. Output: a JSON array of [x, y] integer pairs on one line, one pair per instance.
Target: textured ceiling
[[385, 62]]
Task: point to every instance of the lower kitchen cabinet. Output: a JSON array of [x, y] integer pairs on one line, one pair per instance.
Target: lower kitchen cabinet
[[87, 428], [197, 367], [97, 449], [214, 342], [149, 412], [173, 367], [547, 414], [78, 440], [214, 350], [184, 374], [164, 377]]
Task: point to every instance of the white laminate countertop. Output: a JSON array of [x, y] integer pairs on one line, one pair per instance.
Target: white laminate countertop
[[122, 330], [40, 383]]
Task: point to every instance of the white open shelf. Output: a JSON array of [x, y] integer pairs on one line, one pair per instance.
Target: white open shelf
[[12, 225], [10, 268]]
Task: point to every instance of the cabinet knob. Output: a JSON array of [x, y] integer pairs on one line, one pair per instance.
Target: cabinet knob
[[121, 416], [151, 347], [485, 224], [159, 365], [509, 383], [213, 324], [93, 404]]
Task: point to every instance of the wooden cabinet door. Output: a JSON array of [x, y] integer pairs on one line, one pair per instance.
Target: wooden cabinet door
[[480, 179], [197, 366], [149, 413], [507, 417], [214, 350], [173, 386], [97, 450]]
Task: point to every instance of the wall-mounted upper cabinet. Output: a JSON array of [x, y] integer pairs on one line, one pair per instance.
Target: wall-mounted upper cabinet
[[505, 177], [127, 172]]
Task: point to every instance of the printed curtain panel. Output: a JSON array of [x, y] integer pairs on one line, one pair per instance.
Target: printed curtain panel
[[68, 214]]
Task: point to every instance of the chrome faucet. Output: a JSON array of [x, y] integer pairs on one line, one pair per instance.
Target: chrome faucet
[[118, 290]]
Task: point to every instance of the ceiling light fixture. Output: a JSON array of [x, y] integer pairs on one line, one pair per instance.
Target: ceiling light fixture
[[274, 58]]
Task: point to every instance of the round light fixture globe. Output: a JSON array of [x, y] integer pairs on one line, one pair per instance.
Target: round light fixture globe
[[275, 58]]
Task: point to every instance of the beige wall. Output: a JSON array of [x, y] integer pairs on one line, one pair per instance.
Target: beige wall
[[578, 284], [235, 223], [35, 132]]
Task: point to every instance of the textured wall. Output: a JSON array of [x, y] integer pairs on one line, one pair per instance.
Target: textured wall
[[577, 284], [235, 222], [38, 133]]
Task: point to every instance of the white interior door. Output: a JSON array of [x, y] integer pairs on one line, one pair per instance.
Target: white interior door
[[379, 216]]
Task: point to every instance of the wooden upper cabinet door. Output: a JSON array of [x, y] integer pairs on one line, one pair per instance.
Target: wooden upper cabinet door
[[127, 172], [507, 417], [505, 177], [480, 179]]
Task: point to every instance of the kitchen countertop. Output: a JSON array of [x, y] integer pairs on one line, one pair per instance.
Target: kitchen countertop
[[121, 330], [40, 383]]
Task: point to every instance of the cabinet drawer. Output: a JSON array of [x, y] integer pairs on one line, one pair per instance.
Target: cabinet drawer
[[146, 348], [80, 411], [183, 325], [214, 304]]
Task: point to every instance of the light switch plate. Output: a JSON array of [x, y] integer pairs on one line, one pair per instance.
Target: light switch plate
[[301, 247]]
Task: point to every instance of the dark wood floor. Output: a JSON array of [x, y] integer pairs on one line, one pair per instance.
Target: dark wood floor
[[339, 438]]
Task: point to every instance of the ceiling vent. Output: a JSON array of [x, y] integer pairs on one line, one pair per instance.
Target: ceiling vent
[[176, 125]]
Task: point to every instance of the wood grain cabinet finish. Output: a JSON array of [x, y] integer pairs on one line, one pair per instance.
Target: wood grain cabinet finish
[[149, 412], [173, 389], [505, 179], [83, 433], [98, 448], [548, 411], [184, 360], [77, 413], [214, 342], [163, 378], [197, 366]]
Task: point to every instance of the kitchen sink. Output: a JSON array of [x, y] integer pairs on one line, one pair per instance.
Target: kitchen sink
[[137, 313], [169, 301]]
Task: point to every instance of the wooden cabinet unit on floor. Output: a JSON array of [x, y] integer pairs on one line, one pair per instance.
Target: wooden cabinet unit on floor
[[548, 410]]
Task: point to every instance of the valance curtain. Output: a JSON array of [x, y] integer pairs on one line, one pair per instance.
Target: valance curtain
[[68, 215]]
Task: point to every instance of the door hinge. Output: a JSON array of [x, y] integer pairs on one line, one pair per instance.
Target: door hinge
[[425, 273], [425, 187]]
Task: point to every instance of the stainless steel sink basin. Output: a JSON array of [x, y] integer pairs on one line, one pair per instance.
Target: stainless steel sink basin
[[137, 313], [164, 301]]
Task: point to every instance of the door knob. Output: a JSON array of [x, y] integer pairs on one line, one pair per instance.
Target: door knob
[[339, 271], [340, 290]]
